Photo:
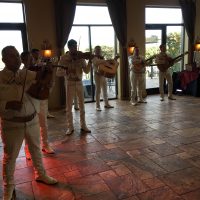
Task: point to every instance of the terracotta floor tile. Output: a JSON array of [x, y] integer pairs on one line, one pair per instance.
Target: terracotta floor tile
[[88, 186], [126, 186], [100, 196], [183, 181], [172, 163], [159, 193], [194, 195]]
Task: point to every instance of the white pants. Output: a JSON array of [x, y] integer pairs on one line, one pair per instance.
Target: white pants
[[12, 138], [43, 122], [137, 85], [168, 76], [100, 84], [74, 88]]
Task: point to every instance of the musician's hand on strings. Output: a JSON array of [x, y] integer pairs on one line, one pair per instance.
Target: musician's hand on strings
[[14, 105], [116, 57]]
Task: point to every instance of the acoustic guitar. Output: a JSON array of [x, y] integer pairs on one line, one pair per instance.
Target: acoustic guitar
[[109, 68], [170, 62]]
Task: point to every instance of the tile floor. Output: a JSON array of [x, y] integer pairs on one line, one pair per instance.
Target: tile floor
[[145, 152]]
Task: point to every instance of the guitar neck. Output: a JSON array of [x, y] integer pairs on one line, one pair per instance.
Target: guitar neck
[[151, 58], [180, 56]]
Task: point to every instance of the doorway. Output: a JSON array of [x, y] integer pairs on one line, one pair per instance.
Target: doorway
[[164, 27]]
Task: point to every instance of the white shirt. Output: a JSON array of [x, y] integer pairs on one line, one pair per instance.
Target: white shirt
[[136, 64], [74, 68], [11, 88]]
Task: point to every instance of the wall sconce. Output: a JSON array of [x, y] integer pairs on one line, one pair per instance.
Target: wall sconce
[[197, 44], [47, 53], [46, 49], [197, 52], [131, 46]]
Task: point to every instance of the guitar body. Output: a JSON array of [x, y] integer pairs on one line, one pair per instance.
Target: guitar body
[[108, 70], [170, 62], [163, 67]]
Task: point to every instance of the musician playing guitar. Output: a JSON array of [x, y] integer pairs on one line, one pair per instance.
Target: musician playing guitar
[[137, 74], [100, 79], [164, 61]]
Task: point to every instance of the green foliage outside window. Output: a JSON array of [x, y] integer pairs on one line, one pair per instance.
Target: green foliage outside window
[[107, 52], [173, 48]]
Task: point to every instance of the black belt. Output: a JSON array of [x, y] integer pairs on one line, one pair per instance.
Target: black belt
[[22, 119]]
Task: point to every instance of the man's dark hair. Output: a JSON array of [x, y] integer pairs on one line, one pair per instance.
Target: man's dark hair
[[24, 55], [35, 50], [5, 50], [71, 43], [162, 45]]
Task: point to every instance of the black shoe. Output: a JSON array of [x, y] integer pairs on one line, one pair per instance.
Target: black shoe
[[171, 98], [108, 106], [85, 130]]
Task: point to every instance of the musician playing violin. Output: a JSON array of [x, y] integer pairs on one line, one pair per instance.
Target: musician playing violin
[[28, 61], [19, 119], [75, 64], [100, 80], [162, 61], [137, 75]]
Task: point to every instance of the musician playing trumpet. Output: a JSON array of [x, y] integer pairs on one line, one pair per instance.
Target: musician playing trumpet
[[162, 60], [137, 75]]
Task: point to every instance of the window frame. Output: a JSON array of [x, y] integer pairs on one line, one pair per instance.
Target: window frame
[[163, 27], [16, 26], [116, 47]]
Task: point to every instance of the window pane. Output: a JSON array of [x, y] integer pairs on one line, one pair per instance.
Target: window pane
[[163, 16], [153, 41], [174, 44], [106, 41], [80, 34], [92, 15], [11, 12], [13, 38]]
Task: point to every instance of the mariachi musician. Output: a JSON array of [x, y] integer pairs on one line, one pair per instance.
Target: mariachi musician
[[137, 73], [74, 63], [100, 79], [162, 61], [19, 119], [28, 61]]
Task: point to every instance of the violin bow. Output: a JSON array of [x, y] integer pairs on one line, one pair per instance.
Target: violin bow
[[23, 88], [79, 41]]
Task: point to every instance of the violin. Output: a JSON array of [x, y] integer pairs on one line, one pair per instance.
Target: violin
[[40, 89], [81, 55]]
